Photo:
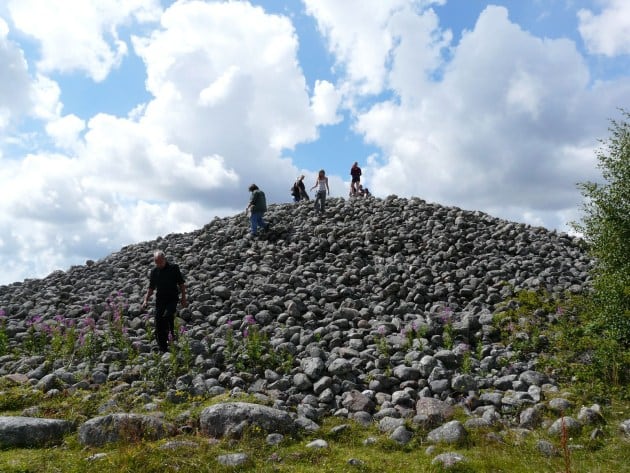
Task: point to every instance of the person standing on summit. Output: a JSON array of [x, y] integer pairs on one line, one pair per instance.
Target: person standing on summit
[[355, 172], [322, 190], [167, 281]]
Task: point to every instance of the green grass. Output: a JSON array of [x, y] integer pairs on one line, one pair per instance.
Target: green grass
[[512, 453]]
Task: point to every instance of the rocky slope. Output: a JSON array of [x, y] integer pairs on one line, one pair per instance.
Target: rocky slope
[[372, 307]]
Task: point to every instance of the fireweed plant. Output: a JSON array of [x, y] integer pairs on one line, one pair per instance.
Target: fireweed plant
[[250, 349], [65, 338], [117, 329]]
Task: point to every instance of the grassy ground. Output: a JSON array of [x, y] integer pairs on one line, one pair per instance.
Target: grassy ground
[[346, 451]]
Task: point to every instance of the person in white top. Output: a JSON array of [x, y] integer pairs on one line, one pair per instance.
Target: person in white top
[[322, 190]]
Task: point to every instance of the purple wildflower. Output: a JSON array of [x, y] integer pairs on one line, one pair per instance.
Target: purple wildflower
[[381, 330], [229, 323], [245, 332], [35, 320], [249, 319], [2, 313], [183, 330], [86, 308]]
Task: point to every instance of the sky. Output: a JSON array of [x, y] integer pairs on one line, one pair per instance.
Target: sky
[[125, 120]]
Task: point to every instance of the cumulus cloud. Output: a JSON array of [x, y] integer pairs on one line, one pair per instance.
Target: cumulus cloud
[[608, 32], [496, 130], [325, 103], [227, 97], [84, 36], [15, 86]]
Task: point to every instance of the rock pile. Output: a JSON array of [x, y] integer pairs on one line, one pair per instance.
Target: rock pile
[[379, 310]]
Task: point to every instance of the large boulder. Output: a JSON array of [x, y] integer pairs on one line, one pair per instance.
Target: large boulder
[[18, 432], [229, 419], [123, 427]]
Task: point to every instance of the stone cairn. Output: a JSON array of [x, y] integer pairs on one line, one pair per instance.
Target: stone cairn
[[379, 310]]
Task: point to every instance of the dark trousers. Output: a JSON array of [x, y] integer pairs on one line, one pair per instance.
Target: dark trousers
[[320, 201], [165, 323]]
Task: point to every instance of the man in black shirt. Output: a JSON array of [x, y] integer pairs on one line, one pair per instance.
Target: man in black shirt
[[167, 281]]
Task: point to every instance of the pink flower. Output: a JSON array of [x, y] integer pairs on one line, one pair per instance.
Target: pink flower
[[245, 333], [250, 319]]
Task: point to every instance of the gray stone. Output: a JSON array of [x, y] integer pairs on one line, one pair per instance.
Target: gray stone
[[339, 366], [228, 419], [401, 435], [448, 459], [560, 405], [530, 418], [569, 424], [20, 432], [435, 411], [389, 424], [590, 416], [547, 448], [463, 383], [123, 427], [233, 459], [452, 432], [317, 444], [624, 427], [313, 367], [356, 401]]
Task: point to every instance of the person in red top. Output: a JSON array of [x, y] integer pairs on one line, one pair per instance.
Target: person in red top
[[355, 172]]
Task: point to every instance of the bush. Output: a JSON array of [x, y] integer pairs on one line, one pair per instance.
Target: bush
[[606, 229]]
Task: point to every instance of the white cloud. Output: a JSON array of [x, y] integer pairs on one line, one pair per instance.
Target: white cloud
[[498, 128], [228, 96], [80, 34], [608, 32], [15, 87], [325, 103], [65, 131], [226, 81]]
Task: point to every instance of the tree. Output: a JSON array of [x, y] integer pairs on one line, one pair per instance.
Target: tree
[[606, 229]]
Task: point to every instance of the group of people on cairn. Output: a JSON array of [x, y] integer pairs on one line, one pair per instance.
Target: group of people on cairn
[[258, 206], [167, 281]]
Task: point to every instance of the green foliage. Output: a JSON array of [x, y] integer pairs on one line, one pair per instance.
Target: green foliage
[[594, 362], [16, 398], [522, 319], [606, 228], [251, 350]]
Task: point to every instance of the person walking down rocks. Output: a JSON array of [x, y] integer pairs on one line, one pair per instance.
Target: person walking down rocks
[[257, 207], [322, 190], [355, 172], [167, 281]]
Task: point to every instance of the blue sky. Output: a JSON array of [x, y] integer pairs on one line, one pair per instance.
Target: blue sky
[[123, 121]]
